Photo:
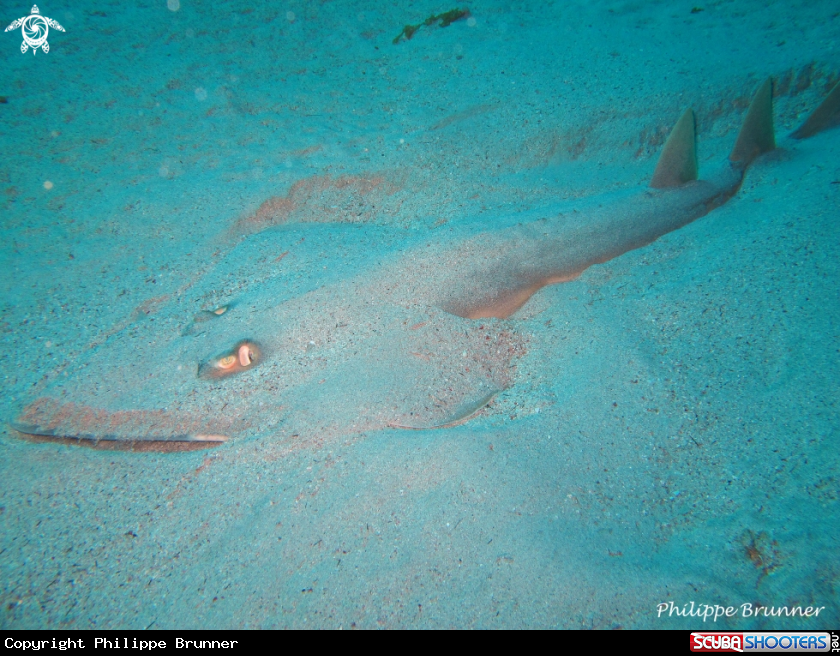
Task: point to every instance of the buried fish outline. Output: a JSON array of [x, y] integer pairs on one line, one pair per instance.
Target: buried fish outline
[[414, 343]]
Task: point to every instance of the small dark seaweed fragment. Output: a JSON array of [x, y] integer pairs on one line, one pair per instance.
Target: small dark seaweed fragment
[[446, 19], [408, 32]]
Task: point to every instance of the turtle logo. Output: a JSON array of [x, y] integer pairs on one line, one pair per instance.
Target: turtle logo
[[35, 29]]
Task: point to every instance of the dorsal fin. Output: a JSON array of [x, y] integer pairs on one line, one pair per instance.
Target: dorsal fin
[[756, 135], [827, 115], [678, 161]]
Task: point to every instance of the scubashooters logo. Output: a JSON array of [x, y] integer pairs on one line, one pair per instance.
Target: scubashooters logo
[[35, 29], [734, 641]]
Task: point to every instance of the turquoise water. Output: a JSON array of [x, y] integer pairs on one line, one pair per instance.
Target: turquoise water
[[663, 429]]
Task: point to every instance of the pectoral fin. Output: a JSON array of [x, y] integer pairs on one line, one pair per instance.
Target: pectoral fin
[[69, 423], [463, 414]]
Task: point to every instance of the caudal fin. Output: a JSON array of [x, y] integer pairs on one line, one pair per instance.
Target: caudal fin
[[756, 136], [678, 161], [827, 115]]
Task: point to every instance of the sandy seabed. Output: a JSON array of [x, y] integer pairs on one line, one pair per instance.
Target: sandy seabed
[[669, 429]]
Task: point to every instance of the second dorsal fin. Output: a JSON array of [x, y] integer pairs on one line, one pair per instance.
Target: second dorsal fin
[[756, 136], [678, 161]]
